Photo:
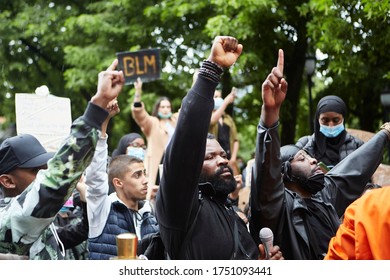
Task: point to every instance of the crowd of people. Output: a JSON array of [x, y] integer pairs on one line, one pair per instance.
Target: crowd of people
[[177, 186]]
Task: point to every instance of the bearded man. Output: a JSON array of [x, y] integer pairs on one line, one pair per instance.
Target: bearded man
[[195, 218], [289, 192]]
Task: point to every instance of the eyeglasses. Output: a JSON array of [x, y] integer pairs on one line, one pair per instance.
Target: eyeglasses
[[137, 145]]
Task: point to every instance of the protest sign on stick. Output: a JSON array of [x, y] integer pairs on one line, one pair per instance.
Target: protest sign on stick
[[144, 64]]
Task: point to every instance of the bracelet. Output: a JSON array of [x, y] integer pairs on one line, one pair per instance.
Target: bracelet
[[211, 71], [215, 64], [210, 75], [137, 104]]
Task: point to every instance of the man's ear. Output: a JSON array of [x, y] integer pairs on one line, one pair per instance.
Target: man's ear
[[7, 181], [116, 182]]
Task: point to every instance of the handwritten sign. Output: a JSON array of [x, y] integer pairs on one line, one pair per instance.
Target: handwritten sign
[[48, 118], [144, 64]]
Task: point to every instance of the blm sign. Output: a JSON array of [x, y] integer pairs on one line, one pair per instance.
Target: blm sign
[[143, 63]]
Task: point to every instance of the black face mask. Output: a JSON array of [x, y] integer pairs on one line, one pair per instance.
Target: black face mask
[[313, 183]]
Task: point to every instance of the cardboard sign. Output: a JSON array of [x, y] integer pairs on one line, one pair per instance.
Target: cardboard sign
[[144, 64], [48, 118]]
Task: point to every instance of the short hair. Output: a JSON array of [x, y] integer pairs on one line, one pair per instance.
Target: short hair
[[119, 165]]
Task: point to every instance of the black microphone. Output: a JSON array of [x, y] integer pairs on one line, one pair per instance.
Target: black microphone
[[267, 238]]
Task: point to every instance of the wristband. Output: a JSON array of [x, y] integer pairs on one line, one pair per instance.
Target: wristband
[[137, 104]]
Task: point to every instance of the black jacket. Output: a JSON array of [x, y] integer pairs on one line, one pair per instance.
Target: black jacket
[[178, 197], [283, 211], [308, 143]]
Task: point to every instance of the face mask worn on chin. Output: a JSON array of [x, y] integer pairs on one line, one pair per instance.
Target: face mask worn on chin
[[136, 152], [333, 131], [313, 183], [164, 116]]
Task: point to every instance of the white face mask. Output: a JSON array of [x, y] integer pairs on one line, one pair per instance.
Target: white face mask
[[137, 152], [217, 102], [332, 131]]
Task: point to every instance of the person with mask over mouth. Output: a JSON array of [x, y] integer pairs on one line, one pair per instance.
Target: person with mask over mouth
[[290, 194], [124, 210], [330, 143], [158, 128], [224, 129]]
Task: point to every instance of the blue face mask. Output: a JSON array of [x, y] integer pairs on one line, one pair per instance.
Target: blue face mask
[[217, 102], [136, 152], [64, 209], [164, 116], [332, 131]]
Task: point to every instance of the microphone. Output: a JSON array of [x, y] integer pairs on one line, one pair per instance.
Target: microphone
[[267, 238]]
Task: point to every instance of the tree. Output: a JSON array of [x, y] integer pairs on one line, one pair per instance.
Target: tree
[[64, 44], [353, 34]]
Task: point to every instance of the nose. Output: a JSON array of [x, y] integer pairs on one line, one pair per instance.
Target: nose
[[145, 181], [222, 161], [312, 161]]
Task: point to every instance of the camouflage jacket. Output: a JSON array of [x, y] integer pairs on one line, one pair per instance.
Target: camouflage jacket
[[25, 219]]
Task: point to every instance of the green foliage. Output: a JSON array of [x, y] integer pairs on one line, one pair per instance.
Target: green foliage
[[64, 44]]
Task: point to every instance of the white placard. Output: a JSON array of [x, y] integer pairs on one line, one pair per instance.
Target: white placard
[[48, 118]]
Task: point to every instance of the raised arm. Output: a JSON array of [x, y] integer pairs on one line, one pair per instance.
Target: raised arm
[[96, 178], [53, 186], [217, 114], [185, 153], [267, 188], [274, 90]]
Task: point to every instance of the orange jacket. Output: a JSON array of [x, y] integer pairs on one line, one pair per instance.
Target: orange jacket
[[365, 231]]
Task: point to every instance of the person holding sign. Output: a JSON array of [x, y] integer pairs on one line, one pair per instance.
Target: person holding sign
[[158, 129], [35, 188]]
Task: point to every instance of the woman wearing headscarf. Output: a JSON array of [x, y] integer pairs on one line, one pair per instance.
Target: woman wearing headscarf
[[330, 143], [131, 144]]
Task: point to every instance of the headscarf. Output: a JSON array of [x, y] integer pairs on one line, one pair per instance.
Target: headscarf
[[124, 142], [323, 145], [312, 184], [287, 153]]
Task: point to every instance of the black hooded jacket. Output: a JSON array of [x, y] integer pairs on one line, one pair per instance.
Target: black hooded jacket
[[218, 232], [284, 211]]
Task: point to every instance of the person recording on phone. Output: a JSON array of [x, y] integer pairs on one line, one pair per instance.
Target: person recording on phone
[[195, 217], [290, 194]]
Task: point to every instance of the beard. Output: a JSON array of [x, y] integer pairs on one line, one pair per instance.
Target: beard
[[221, 186], [312, 183]]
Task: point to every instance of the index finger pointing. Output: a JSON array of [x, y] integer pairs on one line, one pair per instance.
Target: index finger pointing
[[280, 63], [113, 65]]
